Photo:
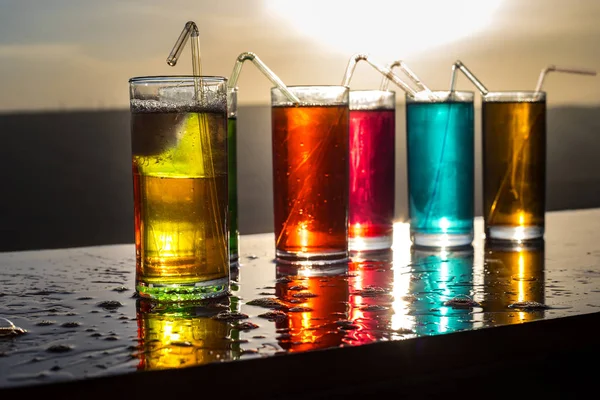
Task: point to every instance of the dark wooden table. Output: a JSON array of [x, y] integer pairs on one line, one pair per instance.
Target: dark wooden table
[[480, 321]]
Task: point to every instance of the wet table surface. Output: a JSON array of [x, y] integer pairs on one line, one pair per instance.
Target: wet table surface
[[76, 316]]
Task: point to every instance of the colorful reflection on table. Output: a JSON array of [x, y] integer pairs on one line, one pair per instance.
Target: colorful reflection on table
[[514, 282], [371, 284], [179, 335], [441, 284], [316, 301]]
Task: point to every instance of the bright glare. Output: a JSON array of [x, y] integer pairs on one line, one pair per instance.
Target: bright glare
[[383, 28], [444, 224]]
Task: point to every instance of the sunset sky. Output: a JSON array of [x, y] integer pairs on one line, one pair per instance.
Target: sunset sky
[[78, 54]]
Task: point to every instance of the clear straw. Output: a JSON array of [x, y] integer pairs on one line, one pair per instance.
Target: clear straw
[[458, 65], [407, 71], [249, 56], [189, 27], [383, 70], [191, 30], [551, 68]]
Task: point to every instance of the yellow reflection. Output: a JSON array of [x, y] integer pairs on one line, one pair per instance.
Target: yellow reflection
[[521, 218], [180, 336], [514, 274]]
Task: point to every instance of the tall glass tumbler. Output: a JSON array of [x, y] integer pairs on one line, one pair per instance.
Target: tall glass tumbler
[[440, 146], [372, 169], [234, 233], [514, 165], [179, 149], [310, 174]]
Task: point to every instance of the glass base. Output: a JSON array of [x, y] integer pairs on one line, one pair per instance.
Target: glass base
[[370, 243], [286, 257], [514, 233], [183, 292], [312, 270], [439, 240]]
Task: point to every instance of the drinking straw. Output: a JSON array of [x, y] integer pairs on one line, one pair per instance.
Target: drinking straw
[[249, 56], [383, 70], [407, 71], [551, 68], [458, 65], [191, 30]]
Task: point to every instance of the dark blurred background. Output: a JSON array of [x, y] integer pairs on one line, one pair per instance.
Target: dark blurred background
[[65, 162]]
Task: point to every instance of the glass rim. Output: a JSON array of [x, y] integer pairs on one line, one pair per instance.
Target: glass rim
[[514, 96], [176, 78], [461, 96], [373, 91], [311, 95], [373, 99], [311, 87]]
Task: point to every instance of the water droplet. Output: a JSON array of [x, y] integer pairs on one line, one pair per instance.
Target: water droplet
[[374, 307], [7, 328], [370, 291], [346, 325], [59, 348], [276, 316], [298, 287], [110, 304], [267, 302], [304, 295], [229, 316], [246, 326], [300, 309], [528, 305], [462, 301]]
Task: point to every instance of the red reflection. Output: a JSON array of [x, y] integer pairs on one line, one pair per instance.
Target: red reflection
[[315, 305], [371, 282]]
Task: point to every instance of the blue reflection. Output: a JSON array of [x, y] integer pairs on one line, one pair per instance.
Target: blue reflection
[[438, 278]]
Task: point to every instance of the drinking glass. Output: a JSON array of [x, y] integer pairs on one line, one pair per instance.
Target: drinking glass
[[310, 174], [440, 164], [234, 233], [372, 169], [179, 154], [514, 165]]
